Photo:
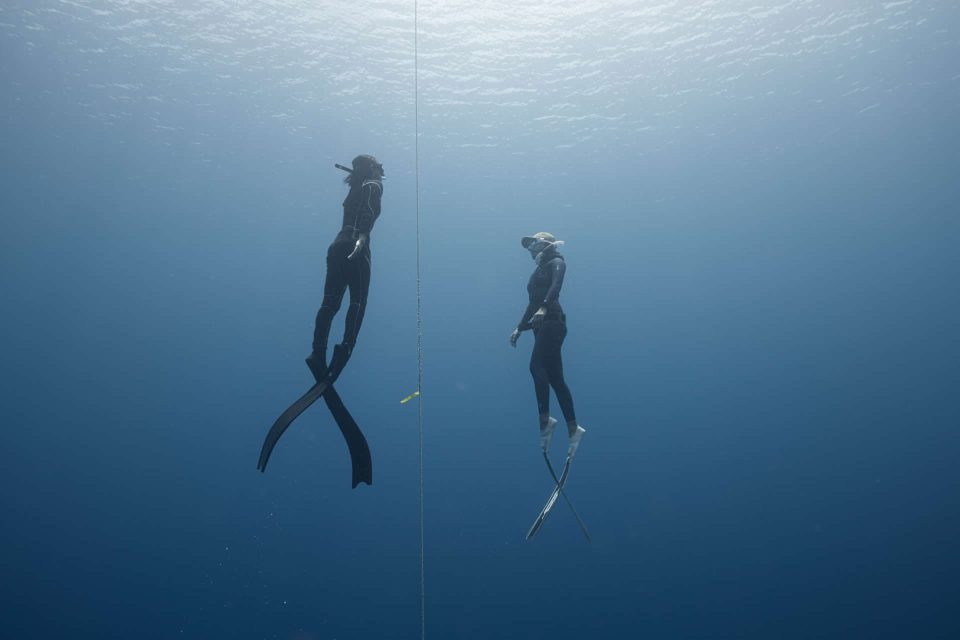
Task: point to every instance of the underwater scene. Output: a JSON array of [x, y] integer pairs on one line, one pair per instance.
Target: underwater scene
[[622, 319]]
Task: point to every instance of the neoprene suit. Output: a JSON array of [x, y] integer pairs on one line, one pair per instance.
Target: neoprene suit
[[361, 208], [546, 364]]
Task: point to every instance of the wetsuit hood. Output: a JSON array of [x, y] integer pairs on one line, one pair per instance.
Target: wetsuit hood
[[365, 163]]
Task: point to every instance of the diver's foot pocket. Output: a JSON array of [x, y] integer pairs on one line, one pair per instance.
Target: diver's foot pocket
[[546, 433], [318, 367], [575, 441], [341, 353]]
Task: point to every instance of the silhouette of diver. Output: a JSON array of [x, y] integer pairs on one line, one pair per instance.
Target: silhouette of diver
[[348, 267]]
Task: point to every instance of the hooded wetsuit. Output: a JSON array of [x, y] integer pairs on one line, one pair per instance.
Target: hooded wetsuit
[[546, 365], [361, 208]]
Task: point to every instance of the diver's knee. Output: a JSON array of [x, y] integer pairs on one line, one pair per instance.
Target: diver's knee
[[330, 305], [556, 380]]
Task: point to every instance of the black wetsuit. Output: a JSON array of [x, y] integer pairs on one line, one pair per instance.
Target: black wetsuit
[[361, 208], [546, 365]]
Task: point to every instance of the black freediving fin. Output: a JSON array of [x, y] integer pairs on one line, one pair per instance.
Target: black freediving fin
[[286, 418], [356, 443], [341, 354]]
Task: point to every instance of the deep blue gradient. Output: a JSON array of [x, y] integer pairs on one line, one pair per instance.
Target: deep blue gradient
[[759, 206]]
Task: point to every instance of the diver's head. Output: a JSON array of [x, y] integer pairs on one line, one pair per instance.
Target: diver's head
[[365, 167], [540, 243]]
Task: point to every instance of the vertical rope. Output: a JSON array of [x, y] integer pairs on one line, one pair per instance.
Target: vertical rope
[[416, 153]]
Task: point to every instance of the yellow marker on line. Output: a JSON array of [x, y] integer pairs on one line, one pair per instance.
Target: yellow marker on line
[[410, 397]]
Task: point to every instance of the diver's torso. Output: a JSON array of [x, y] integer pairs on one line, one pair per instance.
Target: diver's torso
[[355, 205], [539, 285]]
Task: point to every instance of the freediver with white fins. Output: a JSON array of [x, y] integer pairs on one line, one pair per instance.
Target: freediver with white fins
[[546, 318]]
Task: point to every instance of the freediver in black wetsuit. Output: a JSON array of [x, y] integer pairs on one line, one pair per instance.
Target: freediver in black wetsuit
[[549, 323], [348, 262], [348, 266]]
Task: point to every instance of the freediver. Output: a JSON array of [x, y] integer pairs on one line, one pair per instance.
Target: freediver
[[546, 318], [348, 262], [348, 266]]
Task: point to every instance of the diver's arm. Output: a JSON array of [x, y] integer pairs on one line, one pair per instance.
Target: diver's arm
[[369, 206], [524, 325], [358, 246], [557, 270], [527, 315]]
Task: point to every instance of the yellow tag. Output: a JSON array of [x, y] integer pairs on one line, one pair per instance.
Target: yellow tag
[[410, 397]]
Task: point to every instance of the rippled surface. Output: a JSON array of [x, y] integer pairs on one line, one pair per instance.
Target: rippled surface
[[519, 76]]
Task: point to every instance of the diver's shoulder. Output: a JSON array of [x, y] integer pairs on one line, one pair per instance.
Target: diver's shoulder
[[373, 183]]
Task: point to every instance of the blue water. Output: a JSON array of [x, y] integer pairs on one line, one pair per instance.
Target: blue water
[[759, 206]]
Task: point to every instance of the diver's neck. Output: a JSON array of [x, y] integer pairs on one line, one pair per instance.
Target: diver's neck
[[546, 256]]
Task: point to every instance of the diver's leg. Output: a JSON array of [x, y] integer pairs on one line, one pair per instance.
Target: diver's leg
[[554, 368], [556, 333], [541, 381], [334, 287], [359, 282]]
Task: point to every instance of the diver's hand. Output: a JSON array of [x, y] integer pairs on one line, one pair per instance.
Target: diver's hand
[[357, 248], [538, 316], [514, 337]]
